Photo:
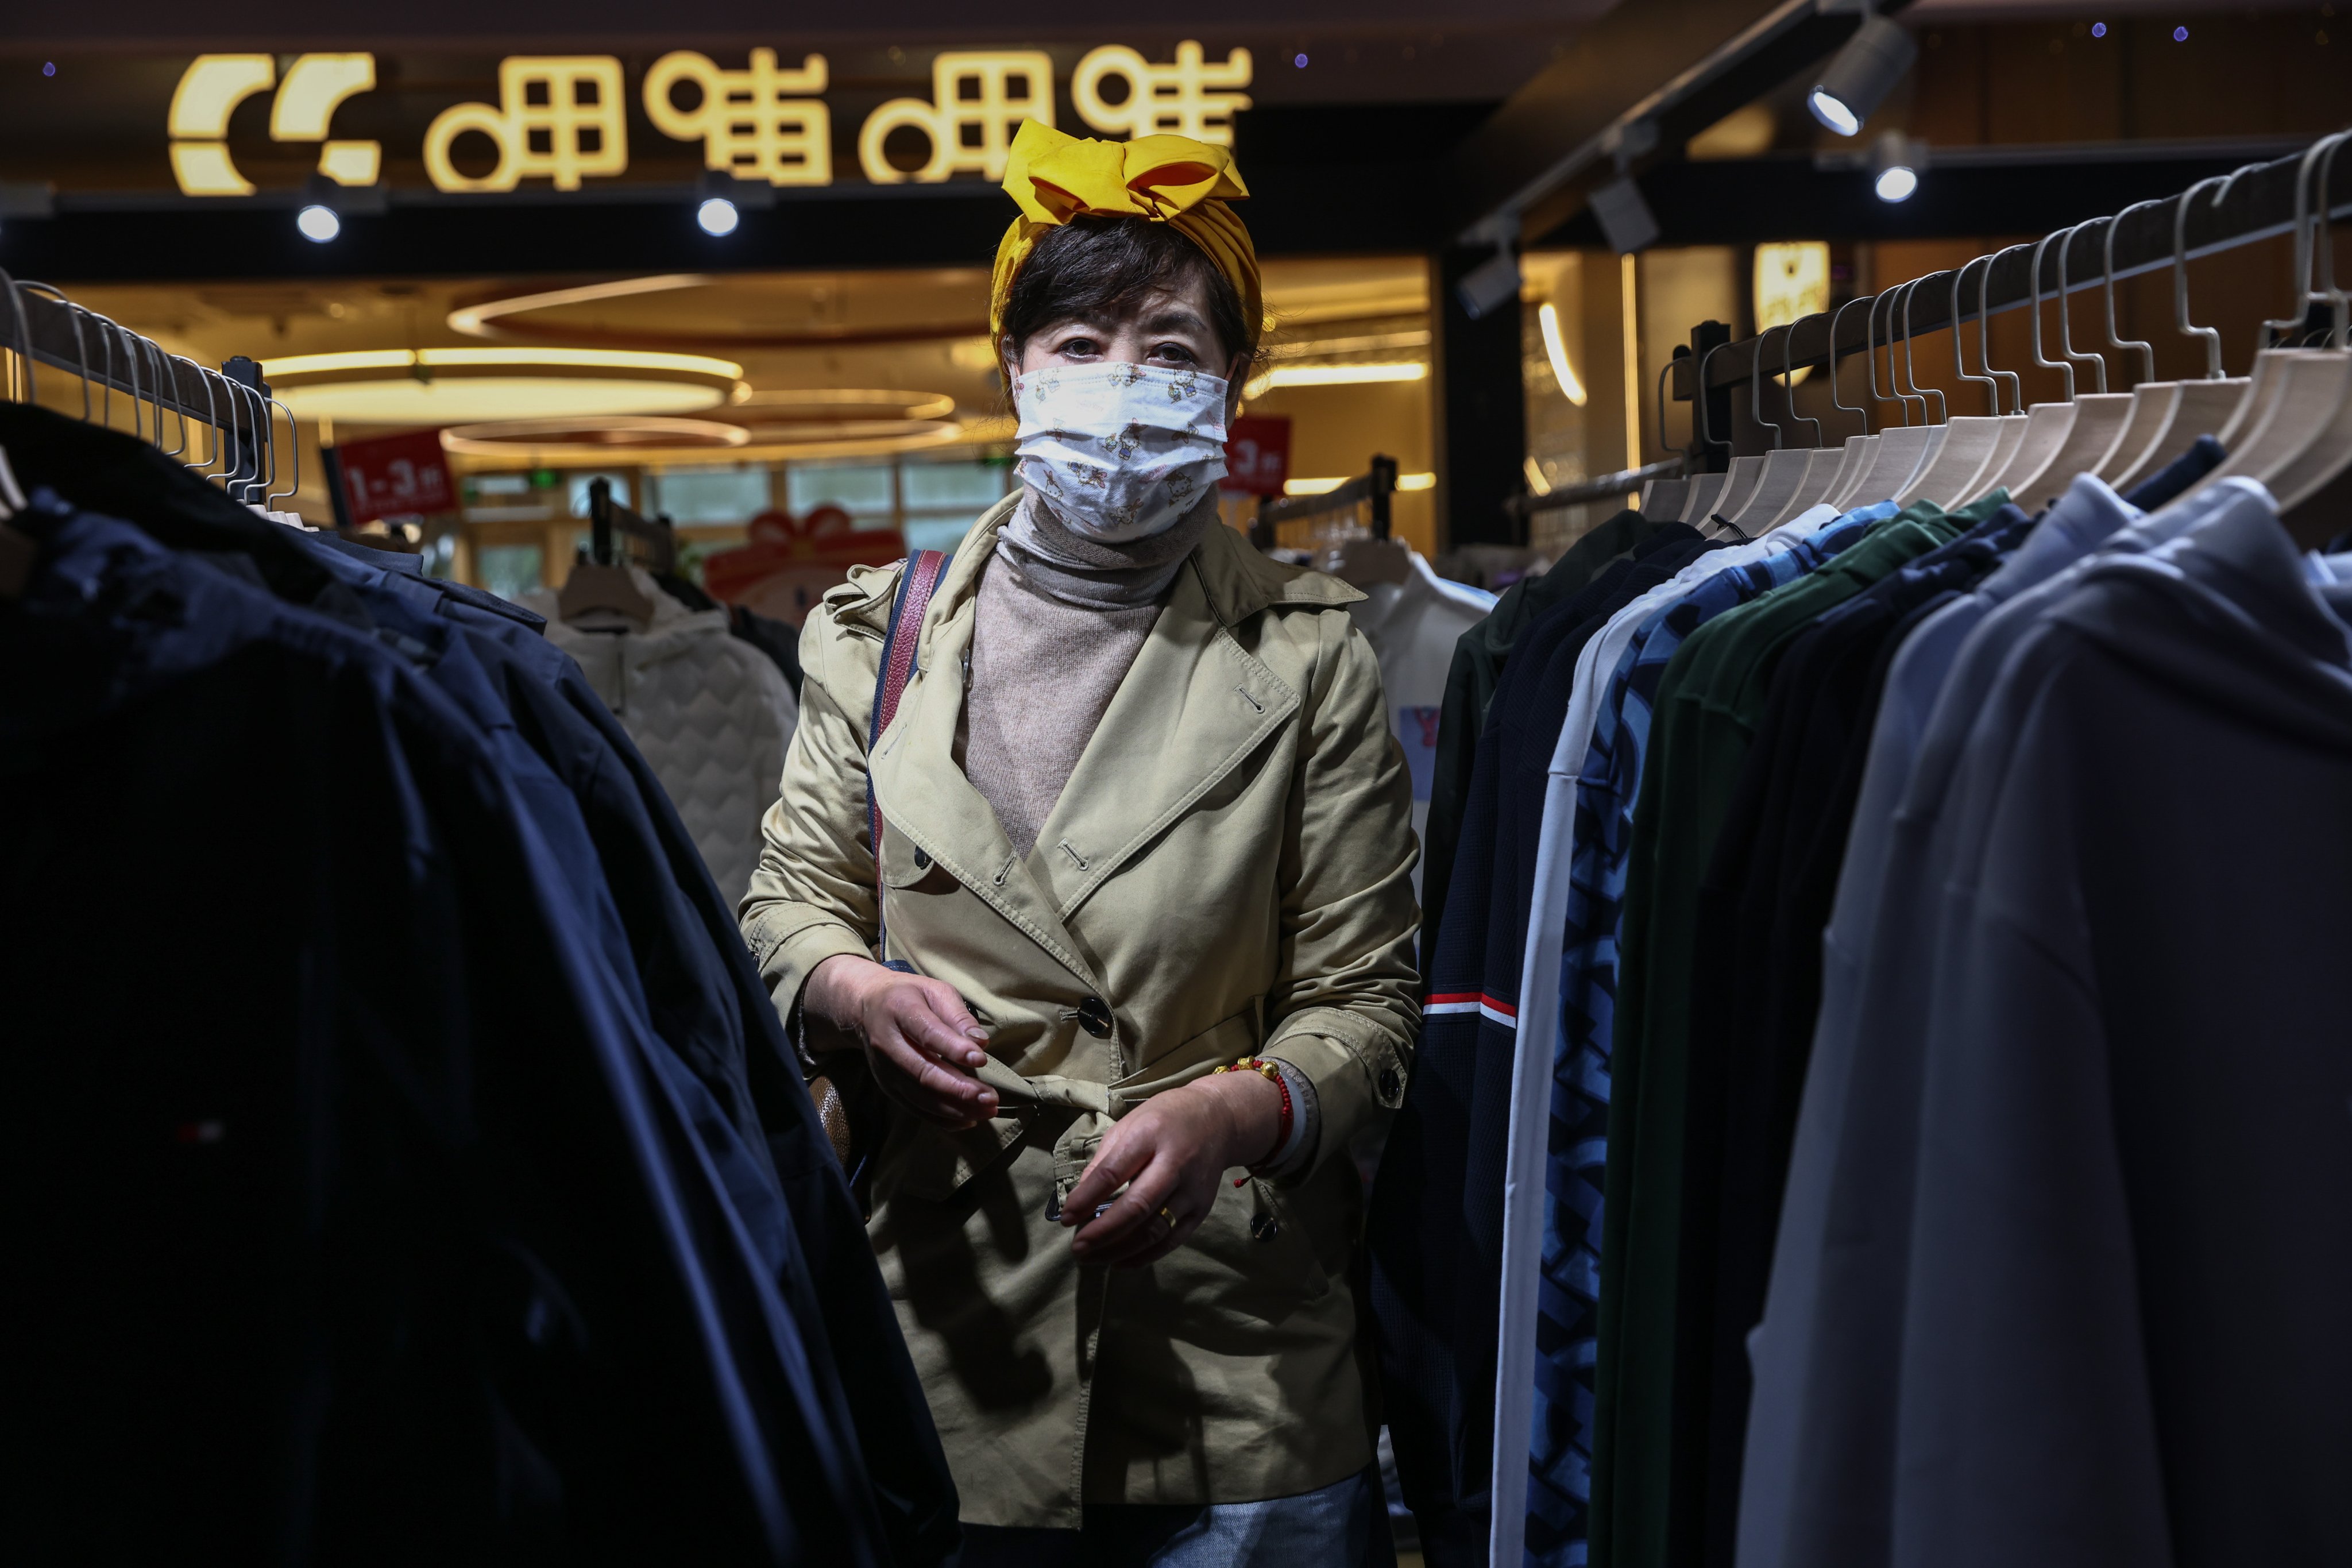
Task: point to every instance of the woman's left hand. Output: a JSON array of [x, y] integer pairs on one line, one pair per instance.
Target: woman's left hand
[[1171, 1152]]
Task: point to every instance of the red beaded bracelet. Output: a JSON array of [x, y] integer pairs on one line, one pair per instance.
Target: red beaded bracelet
[[1273, 1075]]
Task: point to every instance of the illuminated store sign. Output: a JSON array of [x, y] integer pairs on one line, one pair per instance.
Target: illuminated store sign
[[564, 117]]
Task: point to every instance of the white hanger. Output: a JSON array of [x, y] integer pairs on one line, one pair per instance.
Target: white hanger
[[1969, 438], [1826, 472], [1785, 466], [1899, 449], [2099, 416], [2153, 400], [2203, 406], [1705, 488], [2263, 394], [2314, 496], [2046, 424]]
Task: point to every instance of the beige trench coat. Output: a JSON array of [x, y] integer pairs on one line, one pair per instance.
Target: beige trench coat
[[1227, 874]]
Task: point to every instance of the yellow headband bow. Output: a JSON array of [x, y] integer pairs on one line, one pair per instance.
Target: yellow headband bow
[[1172, 180]]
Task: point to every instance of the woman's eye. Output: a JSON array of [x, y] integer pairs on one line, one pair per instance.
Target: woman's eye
[[1081, 348], [1176, 353]]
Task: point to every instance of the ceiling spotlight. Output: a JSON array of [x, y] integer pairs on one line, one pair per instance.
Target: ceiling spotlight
[[1488, 286], [1862, 74], [1895, 163], [317, 222], [718, 215]]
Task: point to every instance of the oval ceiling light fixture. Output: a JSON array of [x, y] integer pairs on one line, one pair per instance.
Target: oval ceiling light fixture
[[591, 438], [847, 421], [728, 313], [470, 385], [481, 320]]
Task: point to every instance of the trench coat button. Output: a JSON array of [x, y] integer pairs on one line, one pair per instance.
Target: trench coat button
[[1094, 1017], [1388, 1083], [922, 860]]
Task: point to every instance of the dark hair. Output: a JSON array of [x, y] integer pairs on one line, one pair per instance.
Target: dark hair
[[1090, 263]]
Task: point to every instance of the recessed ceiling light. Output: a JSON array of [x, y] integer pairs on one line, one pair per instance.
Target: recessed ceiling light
[[1332, 375], [718, 217]]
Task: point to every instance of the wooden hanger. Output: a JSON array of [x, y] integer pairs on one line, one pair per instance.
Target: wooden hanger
[[1360, 563]]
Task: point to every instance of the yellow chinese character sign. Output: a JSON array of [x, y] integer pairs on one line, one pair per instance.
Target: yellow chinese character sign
[[559, 117], [564, 117], [1191, 98], [978, 100], [315, 86], [750, 121]]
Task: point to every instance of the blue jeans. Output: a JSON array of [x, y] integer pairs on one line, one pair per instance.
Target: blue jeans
[[1343, 1525]]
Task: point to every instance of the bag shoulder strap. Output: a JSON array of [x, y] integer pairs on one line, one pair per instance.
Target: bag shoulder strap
[[917, 583]]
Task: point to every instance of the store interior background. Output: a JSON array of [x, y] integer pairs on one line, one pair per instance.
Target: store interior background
[[874, 388]]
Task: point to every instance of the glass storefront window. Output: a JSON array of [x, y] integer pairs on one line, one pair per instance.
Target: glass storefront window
[[942, 499], [510, 571], [866, 491], [736, 493]]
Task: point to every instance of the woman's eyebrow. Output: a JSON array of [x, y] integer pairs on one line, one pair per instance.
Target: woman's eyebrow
[[1174, 320]]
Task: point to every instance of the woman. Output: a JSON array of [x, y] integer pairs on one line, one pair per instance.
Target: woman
[[1146, 850]]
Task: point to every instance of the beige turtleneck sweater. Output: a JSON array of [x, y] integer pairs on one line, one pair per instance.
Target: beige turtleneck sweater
[[1059, 620]]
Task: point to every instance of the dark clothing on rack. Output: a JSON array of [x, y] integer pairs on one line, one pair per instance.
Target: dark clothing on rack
[[427, 1229], [1761, 908], [747, 1346], [2125, 1338], [2164, 486], [780, 640], [1435, 1219], [1479, 659], [1663, 1141], [706, 1000]]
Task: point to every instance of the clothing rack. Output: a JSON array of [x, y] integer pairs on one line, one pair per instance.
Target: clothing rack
[[2256, 203], [1623, 482], [1374, 487], [39, 326], [606, 516]]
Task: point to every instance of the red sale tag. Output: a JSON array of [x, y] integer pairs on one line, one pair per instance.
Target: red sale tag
[[1258, 455], [396, 476]]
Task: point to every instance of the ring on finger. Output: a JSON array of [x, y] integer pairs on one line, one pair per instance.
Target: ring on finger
[[1168, 1217]]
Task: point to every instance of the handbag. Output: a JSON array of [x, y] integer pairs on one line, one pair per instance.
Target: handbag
[[849, 1103]]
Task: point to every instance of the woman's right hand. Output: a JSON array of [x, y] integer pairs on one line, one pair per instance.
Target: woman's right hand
[[920, 1037]]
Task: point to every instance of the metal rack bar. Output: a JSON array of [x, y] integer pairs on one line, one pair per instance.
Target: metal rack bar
[[1623, 482], [1373, 487], [2257, 204], [79, 342]]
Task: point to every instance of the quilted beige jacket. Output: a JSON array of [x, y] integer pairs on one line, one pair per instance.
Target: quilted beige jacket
[[1228, 873]]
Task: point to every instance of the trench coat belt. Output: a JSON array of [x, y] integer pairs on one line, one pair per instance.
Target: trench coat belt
[[1091, 1107]]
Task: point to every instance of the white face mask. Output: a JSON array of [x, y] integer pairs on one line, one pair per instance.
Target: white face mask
[[1121, 451]]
